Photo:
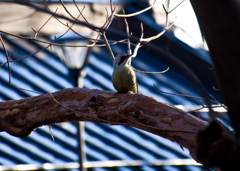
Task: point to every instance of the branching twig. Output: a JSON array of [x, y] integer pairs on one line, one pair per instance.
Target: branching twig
[[65, 8], [181, 94], [168, 12], [216, 101], [36, 32], [146, 40], [81, 12], [40, 49]]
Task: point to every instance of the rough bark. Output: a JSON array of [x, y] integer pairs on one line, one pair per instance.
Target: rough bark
[[78, 104]]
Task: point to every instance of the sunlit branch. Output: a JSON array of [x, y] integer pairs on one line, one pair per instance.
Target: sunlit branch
[[105, 28], [136, 13], [146, 72], [139, 43], [129, 51], [146, 40]]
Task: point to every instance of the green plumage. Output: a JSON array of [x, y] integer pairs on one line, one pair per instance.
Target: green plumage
[[124, 79]]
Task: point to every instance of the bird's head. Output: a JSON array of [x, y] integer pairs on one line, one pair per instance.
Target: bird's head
[[121, 60]]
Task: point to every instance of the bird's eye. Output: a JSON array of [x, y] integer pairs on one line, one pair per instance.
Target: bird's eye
[[123, 58]]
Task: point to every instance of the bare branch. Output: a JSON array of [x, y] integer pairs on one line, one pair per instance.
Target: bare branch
[[40, 49], [81, 12], [129, 51], [65, 8], [214, 88], [225, 107], [146, 72], [104, 32], [76, 104], [136, 13], [166, 11], [146, 40], [50, 130], [36, 32], [159, 34], [184, 95], [27, 55], [176, 7], [139, 43]]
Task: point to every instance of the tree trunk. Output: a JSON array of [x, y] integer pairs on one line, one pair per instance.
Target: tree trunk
[[220, 24]]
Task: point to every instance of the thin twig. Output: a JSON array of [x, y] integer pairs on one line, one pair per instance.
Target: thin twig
[[181, 94], [80, 12], [139, 43], [36, 32], [201, 104], [225, 107], [42, 48], [65, 8], [166, 11], [50, 130], [129, 51], [146, 72], [136, 13], [216, 89], [176, 7], [146, 40], [104, 32]]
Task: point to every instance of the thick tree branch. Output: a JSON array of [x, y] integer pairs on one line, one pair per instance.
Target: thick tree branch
[[220, 24], [76, 104]]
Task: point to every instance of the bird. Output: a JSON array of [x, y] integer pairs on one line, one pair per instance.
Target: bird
[[123, 77]]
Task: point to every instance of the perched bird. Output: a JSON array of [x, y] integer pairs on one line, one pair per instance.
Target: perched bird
[[124, 78]]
